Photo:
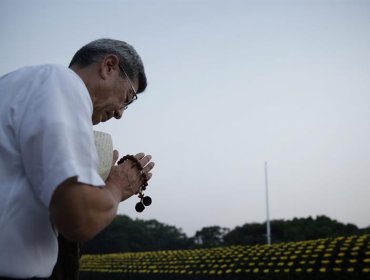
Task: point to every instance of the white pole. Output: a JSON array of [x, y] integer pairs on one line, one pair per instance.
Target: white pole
[[268, 229]]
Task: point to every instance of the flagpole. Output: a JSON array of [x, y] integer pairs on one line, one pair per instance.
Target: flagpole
[[268, 228]]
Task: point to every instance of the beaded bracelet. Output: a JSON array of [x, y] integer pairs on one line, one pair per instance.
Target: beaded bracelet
[[144, 200]]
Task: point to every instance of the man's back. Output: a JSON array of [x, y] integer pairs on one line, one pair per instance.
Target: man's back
[[36, 122]]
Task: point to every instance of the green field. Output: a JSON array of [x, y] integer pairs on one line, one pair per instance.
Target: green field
[[330, 258]]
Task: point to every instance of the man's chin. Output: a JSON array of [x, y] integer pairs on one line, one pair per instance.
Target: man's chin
[[100, 119], [95, 121]]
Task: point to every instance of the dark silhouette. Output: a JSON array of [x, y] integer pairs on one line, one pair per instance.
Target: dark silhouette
[[127, 235]]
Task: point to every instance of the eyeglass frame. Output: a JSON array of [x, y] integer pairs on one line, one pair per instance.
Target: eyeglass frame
[[125, 105]]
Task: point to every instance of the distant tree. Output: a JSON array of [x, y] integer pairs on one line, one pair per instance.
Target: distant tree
[[253, 233], [127, 235], [164, 237], [294, 230], [366, 230], [210, 236], [117, 237]]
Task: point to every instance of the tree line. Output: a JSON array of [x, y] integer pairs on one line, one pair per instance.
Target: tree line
[[128, 235]]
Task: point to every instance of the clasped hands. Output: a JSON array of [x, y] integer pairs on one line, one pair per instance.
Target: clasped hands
[[128, 176]]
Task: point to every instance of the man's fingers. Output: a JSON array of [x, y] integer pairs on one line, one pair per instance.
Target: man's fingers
[[148, 167], [146, 164], [148, 176], [139, 156], [143, 159]]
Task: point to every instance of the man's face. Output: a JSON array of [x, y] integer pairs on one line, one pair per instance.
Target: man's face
[[111, 96]]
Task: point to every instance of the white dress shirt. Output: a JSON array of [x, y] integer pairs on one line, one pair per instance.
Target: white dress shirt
[[46, 137]]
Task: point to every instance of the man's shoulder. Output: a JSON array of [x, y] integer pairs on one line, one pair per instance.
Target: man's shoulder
[[46, 81], [57, 76], [50, 70], [40, 72]]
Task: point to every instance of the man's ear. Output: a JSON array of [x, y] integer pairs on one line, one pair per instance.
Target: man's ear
[[109, 65]]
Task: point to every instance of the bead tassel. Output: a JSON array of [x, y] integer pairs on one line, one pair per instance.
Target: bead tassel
[[144, 200]]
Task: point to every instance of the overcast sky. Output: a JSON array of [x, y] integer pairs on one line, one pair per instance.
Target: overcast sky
[[232, 84]]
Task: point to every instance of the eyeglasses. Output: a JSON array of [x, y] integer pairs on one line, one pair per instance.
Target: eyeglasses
[[125, 105]]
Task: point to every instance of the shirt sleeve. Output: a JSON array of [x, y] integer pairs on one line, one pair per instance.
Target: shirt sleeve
[[56, 134]]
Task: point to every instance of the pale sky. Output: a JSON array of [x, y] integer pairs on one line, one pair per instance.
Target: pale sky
[[232, 84]]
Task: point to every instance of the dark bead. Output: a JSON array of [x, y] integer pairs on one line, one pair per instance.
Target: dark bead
[[147, 200], [139, 207]]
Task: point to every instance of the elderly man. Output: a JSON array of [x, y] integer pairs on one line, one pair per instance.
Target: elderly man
[[48, 160]]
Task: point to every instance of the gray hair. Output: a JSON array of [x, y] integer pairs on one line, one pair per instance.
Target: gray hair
[[128, 58]]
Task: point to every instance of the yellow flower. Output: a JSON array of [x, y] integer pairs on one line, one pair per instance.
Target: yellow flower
[[337, 269]]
